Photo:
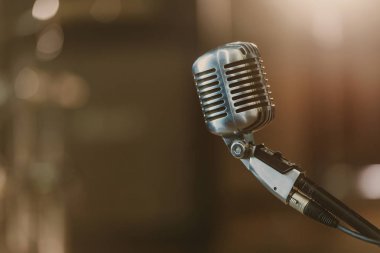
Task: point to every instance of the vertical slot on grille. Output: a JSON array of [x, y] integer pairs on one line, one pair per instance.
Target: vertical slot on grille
[[242, 50], [210, 94], [246, 47], [247, 84]]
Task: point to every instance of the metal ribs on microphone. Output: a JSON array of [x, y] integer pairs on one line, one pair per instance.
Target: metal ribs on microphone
[[246, 85], [232, 89], [210, 94]]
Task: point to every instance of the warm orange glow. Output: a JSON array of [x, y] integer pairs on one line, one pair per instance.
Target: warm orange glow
[[327, 25]]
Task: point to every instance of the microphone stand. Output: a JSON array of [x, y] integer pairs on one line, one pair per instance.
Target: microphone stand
[[287, 182]]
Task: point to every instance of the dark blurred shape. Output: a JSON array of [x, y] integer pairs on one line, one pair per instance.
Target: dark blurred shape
[[93, 114]]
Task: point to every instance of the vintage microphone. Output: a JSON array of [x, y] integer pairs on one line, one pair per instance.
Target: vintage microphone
[[235, 100]]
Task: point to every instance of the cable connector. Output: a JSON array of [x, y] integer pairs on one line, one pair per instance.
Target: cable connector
[[310, 208]]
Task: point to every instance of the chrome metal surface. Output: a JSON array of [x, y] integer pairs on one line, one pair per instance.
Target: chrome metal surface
[[298, 201], [280, 185], [232, 88], [239, 149]]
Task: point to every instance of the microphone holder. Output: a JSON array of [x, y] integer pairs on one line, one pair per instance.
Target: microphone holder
[[273, 171], [282, 178]]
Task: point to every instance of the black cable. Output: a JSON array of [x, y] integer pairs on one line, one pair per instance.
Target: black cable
[[337, 208], [357, 235], [312, 209], [318, 213]]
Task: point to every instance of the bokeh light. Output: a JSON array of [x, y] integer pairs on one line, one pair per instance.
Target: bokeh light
[[45, 9], [70, 91], [49, 42], [27, 83], [106, 11], [369, 181], [327, 25]]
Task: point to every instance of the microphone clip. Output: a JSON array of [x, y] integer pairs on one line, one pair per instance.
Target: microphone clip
[[273, 171]]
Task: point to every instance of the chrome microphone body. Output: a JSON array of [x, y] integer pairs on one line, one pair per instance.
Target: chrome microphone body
[[232, 88], [235, 99]]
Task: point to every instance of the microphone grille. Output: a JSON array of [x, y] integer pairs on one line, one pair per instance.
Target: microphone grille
[[232, 87], [210, 92], [247, 88]]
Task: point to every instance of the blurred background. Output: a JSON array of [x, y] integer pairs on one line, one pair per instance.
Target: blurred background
[[102, 142]]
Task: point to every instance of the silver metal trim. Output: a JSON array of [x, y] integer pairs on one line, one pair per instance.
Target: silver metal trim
[[280, 185], [298, 202]]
